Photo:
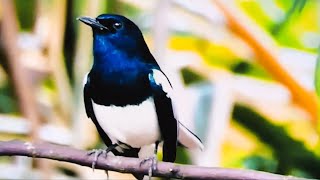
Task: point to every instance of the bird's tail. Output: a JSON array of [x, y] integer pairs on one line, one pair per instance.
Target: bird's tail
[[131, 152], [188, 139], [138, 176]]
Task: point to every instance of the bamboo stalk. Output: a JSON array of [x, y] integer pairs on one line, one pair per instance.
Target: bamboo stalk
[[56, 58], [23, 88], [83, 60]]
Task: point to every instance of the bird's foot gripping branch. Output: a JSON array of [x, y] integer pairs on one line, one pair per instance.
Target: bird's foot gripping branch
[[128, 165]]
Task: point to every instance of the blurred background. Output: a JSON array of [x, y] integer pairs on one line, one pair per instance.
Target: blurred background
[[244, 72]]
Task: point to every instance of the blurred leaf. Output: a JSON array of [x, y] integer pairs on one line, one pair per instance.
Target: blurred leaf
[[250, 69], [8, 103], [68, 171], [254, 10], [216, 55], [120, 7], [260, 163], [190, 77], [317, 75], [182, 156], [295, 33], [300, 4], [290, 29], [26, 13], [290, 153], [114, 6], [297, 6], [300, 173]]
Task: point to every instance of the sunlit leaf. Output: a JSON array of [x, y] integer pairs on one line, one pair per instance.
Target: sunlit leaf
[[255, 11]]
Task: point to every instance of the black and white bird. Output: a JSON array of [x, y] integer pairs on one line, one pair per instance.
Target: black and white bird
[[126, 94]]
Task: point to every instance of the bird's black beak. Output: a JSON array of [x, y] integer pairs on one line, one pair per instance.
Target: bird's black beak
[[91, 22]]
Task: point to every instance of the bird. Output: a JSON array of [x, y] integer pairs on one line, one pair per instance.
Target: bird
[[127, 95]]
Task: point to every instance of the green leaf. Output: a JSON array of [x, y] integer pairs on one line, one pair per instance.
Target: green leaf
[[289, 152], [297, 6], [300, 4]]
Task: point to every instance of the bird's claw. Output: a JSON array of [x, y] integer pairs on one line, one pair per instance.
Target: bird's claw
[[153, 166], [97, 153]]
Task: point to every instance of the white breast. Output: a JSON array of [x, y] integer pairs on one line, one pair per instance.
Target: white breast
[[135, 125]]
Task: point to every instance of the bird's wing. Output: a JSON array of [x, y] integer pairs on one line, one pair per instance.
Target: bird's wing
[[90, 112], [132, 152], [128, 152], [161, 89], [188, 139]]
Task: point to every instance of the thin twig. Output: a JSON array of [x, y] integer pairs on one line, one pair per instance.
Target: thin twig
[[129, 165]]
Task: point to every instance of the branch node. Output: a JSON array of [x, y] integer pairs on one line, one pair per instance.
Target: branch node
[[31, 148]]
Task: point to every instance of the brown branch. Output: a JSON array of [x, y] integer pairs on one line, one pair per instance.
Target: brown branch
[[129, 165]]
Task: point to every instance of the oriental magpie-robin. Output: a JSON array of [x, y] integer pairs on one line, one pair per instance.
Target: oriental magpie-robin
[[126, 94]]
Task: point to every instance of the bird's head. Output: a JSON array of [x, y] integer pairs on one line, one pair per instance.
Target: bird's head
[[115, 32]]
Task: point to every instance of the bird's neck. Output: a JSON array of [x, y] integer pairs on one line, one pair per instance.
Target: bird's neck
[[103, 47], [106, 56]]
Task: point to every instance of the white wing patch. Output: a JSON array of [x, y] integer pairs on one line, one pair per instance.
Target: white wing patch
[[85, 80], [161, 80]]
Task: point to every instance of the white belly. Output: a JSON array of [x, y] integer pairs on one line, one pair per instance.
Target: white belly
[[135, 125]]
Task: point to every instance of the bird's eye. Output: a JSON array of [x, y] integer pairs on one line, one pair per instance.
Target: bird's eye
[[117, 25]]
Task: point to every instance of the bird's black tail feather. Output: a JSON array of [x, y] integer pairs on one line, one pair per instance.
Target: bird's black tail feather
[[138, 176], [131, 152]]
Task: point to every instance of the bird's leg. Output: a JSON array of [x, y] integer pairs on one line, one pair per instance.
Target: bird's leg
[[153, 159], [107, 172], [110, 148], [98, 152]]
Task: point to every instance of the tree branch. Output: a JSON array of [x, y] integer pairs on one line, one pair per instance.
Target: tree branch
[[128, 165]]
